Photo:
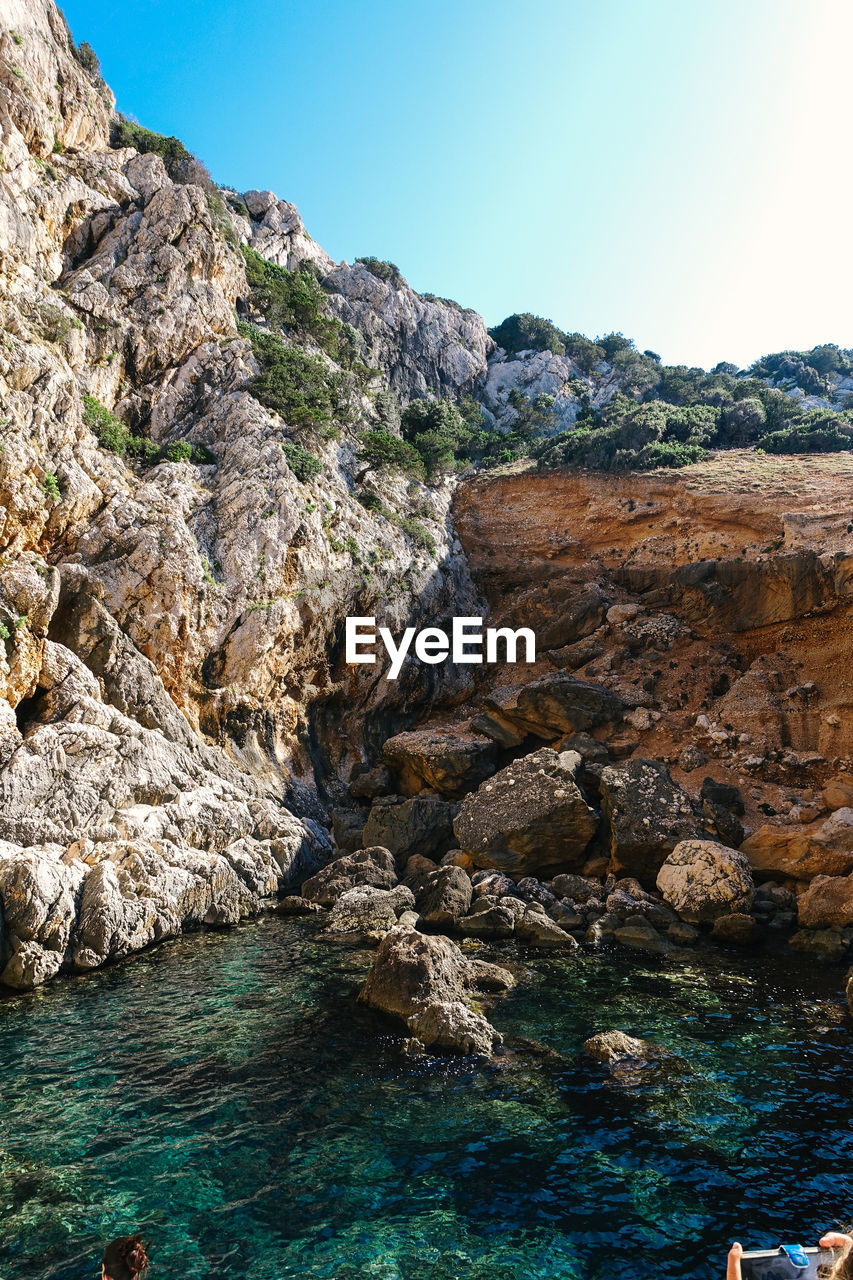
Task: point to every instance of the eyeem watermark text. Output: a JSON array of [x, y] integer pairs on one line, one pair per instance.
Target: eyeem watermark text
[[465, 644]]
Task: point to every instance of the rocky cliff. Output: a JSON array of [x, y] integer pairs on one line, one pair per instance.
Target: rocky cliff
[[185, 524]]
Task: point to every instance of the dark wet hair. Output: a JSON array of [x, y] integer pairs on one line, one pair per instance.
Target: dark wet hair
[[125, 1258]]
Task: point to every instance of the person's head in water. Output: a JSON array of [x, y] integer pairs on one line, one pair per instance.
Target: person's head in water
[[124, 1259]]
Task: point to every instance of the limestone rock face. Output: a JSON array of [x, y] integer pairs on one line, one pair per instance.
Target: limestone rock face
[[423, 344], [703, 880], [530, 817], [647, 814], [827, 903], [425, 982], [451, 763]]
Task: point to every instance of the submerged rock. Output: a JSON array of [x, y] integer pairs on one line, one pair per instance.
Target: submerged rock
[[531, 816], [425, 981]]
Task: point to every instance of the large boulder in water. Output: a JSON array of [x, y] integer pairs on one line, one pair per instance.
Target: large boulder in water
[[374, 866], [425, 982], [647, 814], [451, 762], [703, 880], [366, 913], [422, 825], [530, 817], [850, 991]]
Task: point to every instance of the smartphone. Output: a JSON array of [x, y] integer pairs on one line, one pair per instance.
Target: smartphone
[[788, 1262]]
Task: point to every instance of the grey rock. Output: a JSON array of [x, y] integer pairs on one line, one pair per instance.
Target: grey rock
[[647, 815], [374, 866], [445, 897], [530, 817], [425, 982], [421, 825]]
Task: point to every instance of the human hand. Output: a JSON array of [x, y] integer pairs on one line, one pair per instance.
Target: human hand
[[836, 1240], [733, 1263]]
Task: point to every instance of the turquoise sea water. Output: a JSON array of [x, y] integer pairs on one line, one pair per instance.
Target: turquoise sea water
[[226, 1094]]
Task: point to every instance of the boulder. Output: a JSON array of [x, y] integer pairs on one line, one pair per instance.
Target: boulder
[[294, 905], [796, 853], [637, 932], [682, 935], [445, 897], [722, 793], [737, 930], [422, 824], [530, 817], [552, 705], [647, 815], [850, 992], [369, 783], [576, 887], [452, 762], [374, 866], [492, 919], [827, 903], [425, 981], [723, 823], [369, 913], [418, 871], [493, 883], [703, 880], [537, 929], [838, 792], [348, 828], [826, 944], [529, 889], [490, 977]]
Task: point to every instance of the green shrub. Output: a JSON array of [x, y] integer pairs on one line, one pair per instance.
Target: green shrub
[[54, 324], [50, 484], [180, 451], [414, 530], [87, 58], [526, 332], [203, 456], [115, 435], [181, 165], [112, 433], [58, 148], [438, 432], [5, 633], [298, 386], [379, 450], [389, 272], [292, 300], [306, 466], [15, 37]]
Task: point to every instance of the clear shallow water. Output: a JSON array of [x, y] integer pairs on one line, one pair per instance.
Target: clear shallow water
[[225, 1093]]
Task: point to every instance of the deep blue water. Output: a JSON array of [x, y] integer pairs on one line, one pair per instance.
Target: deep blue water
[[226, 1094]]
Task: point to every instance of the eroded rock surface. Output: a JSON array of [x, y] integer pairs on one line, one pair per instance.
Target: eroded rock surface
[[425, 982]]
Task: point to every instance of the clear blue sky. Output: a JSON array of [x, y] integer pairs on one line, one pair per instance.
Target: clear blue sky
[[678, 170]]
